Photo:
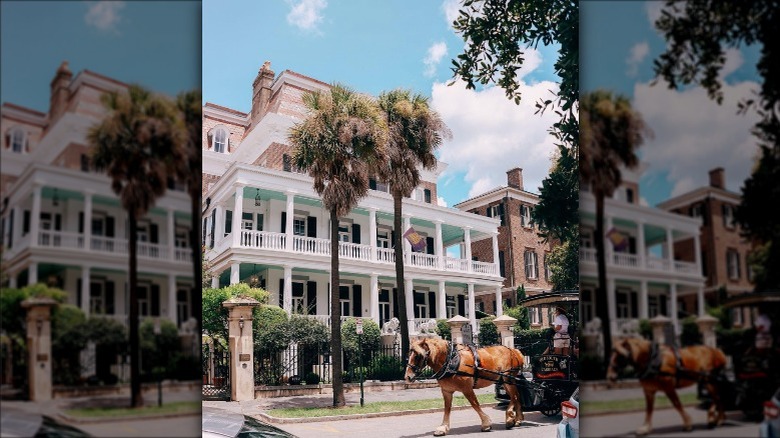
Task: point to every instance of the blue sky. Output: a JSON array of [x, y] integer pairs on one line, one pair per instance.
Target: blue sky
[[692, 134], [155, 44], [374, 46]]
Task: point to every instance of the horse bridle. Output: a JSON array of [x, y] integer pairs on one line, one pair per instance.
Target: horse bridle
[[415, 367]]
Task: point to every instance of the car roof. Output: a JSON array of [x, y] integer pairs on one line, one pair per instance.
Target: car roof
[[549, 298], [17, 423]]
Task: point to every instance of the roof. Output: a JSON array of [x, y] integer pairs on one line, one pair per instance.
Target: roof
[[494, 190], [224, 108], [550, 298]]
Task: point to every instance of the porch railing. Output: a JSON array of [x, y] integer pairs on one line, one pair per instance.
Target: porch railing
[[112, 245]]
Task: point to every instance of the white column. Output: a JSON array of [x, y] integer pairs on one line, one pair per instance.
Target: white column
[[372, 240], [35, 215], [407, 245], [215, 281], [643, 300], [88, 219], [374, 297], [287, 296], [673, 307], [495, 255], [235, 272], [439, 246], [700, 300], [499, 302], [640, 243], [238, 211], [441, 301], [32, 273], [171, 239], [467, 247], [697, 253], [611, 305], [172, 298], [669, 248], [85, 290], [219, 225], [289, 223], [472, 309], [408, 292]]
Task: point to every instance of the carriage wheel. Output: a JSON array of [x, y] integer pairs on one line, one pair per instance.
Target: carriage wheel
[[551, 412]]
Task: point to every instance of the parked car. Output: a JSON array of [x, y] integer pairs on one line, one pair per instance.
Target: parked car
[[16, 423], [220, 423], [569, 427], [770, 427]]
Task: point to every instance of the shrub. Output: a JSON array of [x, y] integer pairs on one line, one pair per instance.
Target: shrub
[[312, 379], [307, 331], [690, 332], [534, 341], [386, 368], [645, 329], [443, 329], [349, 339], [215, 315], [488, 332], [270, 329], [157, 349]]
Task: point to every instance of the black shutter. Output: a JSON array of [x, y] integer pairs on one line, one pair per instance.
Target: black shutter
[[11, 229], [58, 222], [259, 223], [26, 222], [634, 305], [203, 232], [154, 233], [356, 233], [632, 245], [396, 313], [392, 239], [286, 164], [372, 183], [155, 300], [311, 297], [281, 292], [357, 300], [461, 305], [501, 269], [78, 292], [429, 245], [489, 212], [738, 265], [427, 195], [311, 226], [213, 228], [228, 222], [501, 212], [109, 226], [432, 304], [284, 222], [110, 297]]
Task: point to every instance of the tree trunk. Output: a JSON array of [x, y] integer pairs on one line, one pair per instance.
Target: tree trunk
[[602, 307], [137, 400], [403, 318], [197, 275], [335, 313]]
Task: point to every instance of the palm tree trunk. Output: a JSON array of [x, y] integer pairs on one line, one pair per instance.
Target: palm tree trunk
[[137, 400], [403, 318], [602, 307], [335, 313]]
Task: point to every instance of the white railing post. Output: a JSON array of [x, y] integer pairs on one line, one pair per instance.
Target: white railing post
[[439, 246], [643, 300], [640, 244], [35, 219], [372, 234], [467, 247], [289, 222], [374, 298], [87, 219], [496, 259], [238, 211], [441, 300], [472, 309]]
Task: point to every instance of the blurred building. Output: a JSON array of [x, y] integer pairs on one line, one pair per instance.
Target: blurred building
[[653, 260], [264, 224], [522, 256], [63, 225], [724, 252]]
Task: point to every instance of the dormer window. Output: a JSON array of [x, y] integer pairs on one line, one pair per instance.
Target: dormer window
[[219, 139], [16, 140]]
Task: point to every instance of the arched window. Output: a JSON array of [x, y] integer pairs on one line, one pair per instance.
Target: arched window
[[16, 140], [220, 139]]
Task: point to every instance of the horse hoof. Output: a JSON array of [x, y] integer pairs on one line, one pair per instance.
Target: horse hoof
[[439, 433], [687, 428], [642, 432], [487, 428], [510, 424]]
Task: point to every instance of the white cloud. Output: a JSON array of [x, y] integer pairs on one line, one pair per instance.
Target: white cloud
[[734, 60], [693, 134], [451, 8], [643, 201], [306, 14], [653, 11], [435, 53], [638, 54], [441, 201], [491, 134], [104, 15]]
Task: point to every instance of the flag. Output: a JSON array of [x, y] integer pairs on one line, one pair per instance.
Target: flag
[[618, 239], [415, 239]]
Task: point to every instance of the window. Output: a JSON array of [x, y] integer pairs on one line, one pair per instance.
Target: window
[[586, 297], [16, 140], [344, 232], [182, 305], [299, 226], [501, 268], [384, 306], [547, 274], [535, 314], [630, 196], [525, 216], [452, 308], [97, 299], [344, 299], [383, 239], [531, 268], [732, 262], [420, 305], [728, 216], [586, 238], [84, 163], [299, 305], [623, 301], [219, 140], [496, 211], [696, 210]]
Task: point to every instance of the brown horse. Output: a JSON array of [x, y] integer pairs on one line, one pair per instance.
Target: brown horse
[[664, 370], [436, 353]]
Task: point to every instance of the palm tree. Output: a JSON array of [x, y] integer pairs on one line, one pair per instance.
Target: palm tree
[[610, 133], [133, 144], [415, 132], [337, 143]]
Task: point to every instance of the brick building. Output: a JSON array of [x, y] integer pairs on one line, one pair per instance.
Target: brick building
[[522, 256], [724, 252]]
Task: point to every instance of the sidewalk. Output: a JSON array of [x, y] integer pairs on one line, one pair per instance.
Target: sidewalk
[[595, 393]]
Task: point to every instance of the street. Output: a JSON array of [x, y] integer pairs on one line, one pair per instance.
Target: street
[[666, 423], [186, 426], [464, 423]]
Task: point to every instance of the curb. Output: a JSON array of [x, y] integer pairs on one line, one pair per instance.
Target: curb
[[279, 420], [90, 420]]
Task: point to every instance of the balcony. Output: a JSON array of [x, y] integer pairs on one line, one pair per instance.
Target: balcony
[[267, 240], [626, 260], [105, 245]]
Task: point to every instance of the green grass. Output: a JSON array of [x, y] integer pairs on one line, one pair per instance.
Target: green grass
[[373, 407], [614, 406], [168, 408]]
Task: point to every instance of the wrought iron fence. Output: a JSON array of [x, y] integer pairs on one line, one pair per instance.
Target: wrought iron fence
[[216, 372]]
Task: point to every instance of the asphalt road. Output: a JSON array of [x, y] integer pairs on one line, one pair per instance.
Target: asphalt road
[[186, 426], [464, 423], [666, 423]]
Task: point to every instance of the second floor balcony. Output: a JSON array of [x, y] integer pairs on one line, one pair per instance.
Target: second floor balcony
[[634, 261]]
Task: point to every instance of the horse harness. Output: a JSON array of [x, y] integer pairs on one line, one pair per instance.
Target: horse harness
[[452, 364], [654, 367]]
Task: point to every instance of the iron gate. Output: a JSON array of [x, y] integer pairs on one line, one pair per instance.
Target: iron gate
[[216, 372]]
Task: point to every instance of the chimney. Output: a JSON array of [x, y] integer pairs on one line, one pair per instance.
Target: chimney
[[718, 178], [60, 94], [514, 178], [261, 93]]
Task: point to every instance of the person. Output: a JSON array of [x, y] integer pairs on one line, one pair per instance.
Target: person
[[561, 326], [763, 327]]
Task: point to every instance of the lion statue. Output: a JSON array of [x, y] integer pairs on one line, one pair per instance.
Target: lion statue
[[390, 327], [428, 327]]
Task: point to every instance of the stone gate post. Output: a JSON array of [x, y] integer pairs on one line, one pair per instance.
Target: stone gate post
[[707, 325], [456, 328], [39, 347], [659, 324], [504, 325], [242, 370]]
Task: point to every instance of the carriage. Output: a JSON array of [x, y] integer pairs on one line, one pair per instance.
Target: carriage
[[553, 377]]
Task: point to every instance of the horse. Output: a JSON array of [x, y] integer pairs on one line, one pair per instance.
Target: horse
[[455, 370], [662, 368]]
